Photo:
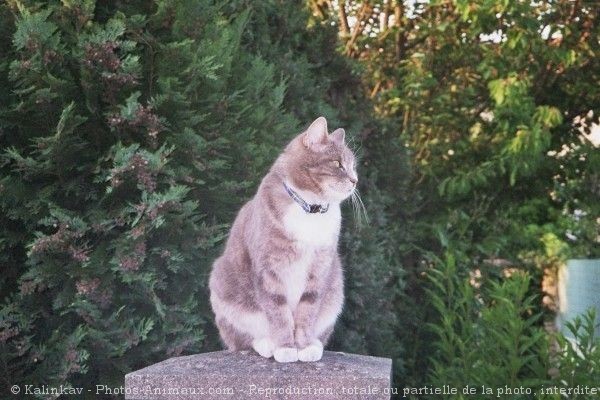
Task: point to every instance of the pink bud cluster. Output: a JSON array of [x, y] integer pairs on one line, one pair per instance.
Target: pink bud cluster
[[138, 165], [61, 242], [132, 262]]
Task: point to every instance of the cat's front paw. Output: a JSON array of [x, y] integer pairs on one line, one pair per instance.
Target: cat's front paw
[[312, 352], [264, 347], [285, 354]]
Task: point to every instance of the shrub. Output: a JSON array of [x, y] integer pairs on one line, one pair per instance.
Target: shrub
[[487, 334]]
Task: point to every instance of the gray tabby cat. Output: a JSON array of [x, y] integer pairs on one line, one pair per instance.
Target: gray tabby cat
[[278, 287]]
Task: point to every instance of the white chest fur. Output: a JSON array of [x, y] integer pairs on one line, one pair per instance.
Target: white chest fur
[[311, 231], [295, 278]]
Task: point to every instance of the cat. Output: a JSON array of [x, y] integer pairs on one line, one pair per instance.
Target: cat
[[278, 286]]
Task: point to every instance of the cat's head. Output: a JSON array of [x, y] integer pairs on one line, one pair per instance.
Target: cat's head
[[322, 163]]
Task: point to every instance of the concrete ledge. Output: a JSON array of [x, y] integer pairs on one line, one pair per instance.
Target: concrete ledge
[[245, 375]]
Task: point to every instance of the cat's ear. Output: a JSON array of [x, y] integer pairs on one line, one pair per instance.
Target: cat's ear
[[338, 136], [316, 133]]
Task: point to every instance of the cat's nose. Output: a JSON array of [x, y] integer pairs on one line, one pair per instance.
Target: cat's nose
[[353, 179]]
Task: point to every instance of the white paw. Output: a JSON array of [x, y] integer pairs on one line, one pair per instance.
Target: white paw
[[264, 347], [285, 354], [312, 352]]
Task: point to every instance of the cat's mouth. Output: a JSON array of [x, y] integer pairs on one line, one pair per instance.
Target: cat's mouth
[[341, 192]]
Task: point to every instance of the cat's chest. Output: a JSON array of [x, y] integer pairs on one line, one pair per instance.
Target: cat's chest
[[313, 235], [313, 230]]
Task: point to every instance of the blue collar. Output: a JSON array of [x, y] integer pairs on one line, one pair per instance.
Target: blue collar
[[309, 208]]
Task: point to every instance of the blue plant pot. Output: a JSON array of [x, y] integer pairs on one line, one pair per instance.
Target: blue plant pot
[[578, 290]]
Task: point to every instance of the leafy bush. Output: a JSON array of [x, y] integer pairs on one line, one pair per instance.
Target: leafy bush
[[487, 334], [576, 361], [494, 104]]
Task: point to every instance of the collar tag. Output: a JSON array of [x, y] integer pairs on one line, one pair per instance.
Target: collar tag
[[309, 208]]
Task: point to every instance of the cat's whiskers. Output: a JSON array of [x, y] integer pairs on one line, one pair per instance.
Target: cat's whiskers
[[353, 202], [360, 211]]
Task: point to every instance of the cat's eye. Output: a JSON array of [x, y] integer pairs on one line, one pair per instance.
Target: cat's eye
[[337, 164]]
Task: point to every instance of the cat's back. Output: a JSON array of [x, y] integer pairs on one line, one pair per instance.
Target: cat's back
[[228, 270], [235, 241], [248, 221]]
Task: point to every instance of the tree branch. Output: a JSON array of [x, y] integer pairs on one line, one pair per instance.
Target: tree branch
[[343, 17], [364, 14], [400, 34]]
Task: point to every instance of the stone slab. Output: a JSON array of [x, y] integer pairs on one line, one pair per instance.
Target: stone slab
[[246, 375]]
